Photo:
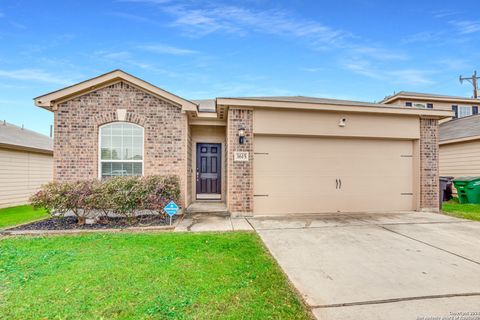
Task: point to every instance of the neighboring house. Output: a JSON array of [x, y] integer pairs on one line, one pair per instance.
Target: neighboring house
[[462, 107], [459, 138], [260, 155], [26, 162], [460, 147]]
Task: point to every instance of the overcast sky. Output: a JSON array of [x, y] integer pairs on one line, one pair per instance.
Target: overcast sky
[[359, 50]]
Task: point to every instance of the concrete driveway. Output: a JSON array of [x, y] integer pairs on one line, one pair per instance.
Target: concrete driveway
[[379, 266]]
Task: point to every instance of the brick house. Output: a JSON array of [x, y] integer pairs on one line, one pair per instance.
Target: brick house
[[258, 155]]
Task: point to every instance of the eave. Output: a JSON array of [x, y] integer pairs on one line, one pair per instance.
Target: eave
[[252, 103], [50, 100]]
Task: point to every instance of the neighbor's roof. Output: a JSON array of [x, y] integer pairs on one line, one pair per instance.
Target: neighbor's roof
[[466, 128], [13, 137], [428, 96]]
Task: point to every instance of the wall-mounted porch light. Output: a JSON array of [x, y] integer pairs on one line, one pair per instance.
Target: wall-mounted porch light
[[241, 135]]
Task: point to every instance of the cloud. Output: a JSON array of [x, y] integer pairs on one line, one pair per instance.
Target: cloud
[[411, 76], [241, 21], [466, 27], [378, 53], [166, 49], [206, 18], [400, 76], [444, 13], [454, 64], [424, 36], [311, 69], [34, 75], [113, 55], [364, 68], [134, 18]]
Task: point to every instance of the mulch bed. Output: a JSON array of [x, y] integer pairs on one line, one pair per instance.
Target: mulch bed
[[70, 223]]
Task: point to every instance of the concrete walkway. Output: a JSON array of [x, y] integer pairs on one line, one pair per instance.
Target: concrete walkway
[[379, 266], [204, 222]]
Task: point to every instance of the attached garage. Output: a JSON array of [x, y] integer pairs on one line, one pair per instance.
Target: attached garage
[[295, 175]]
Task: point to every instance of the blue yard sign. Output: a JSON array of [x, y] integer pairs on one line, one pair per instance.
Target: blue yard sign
[[171, 209]]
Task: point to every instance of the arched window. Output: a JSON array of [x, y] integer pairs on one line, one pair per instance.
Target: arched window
[[121, 150]]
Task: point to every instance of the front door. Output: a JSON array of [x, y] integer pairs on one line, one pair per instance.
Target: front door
[[209, 170]]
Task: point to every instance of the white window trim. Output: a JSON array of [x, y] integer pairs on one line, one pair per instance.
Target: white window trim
[[422, 105], [99, 141], [459, 107]]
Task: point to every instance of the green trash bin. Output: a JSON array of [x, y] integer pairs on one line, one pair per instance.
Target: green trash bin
[[468, 189]]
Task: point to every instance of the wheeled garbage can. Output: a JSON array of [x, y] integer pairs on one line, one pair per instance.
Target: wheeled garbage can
[[468, 189], [445, 189]]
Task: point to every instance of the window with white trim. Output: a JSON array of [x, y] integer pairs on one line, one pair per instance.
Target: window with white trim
[[464, 111], [121, 150], [420, 105]]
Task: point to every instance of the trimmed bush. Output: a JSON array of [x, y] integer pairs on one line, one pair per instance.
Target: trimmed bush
[[123, 196]]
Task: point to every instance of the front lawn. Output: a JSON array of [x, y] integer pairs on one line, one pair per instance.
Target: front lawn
[[21, 214], [143, 276], [465, 211]]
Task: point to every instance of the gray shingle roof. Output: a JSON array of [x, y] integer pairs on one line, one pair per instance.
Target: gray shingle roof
[[460, 128], [303, 99], [430, 95], [14, 136], [205, 105]]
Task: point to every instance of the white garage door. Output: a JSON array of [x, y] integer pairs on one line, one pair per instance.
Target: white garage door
[[295, 175]]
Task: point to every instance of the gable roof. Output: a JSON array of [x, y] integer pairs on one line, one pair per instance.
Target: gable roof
[[465, 128], [49, 100], [13, 137], [427, 96]]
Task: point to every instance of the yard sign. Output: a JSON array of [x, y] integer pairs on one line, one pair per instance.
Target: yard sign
[[171, 209]]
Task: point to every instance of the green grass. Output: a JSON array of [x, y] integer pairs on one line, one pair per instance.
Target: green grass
[[464, 211], [17, 215], [143, 276]]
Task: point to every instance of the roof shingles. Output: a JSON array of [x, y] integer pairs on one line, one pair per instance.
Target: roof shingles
[[11, 135], [460, 128]]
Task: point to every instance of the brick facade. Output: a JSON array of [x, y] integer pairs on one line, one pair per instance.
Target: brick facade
[[76, 132], [240, 174], [429, 188]]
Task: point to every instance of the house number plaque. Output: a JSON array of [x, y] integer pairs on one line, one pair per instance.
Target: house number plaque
[[239, 156]]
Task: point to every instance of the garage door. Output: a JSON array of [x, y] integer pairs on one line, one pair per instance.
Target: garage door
[[295, 175]]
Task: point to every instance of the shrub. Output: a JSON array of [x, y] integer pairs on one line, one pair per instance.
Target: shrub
[[52, 198], [123, 196], [159, 191], [60, 198]]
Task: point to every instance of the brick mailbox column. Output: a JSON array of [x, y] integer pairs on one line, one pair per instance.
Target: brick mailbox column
[[429, 184], [239, 169]]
